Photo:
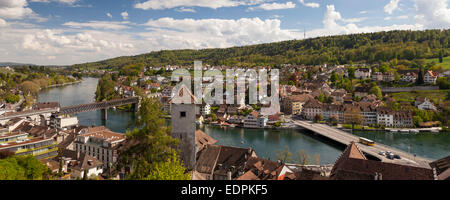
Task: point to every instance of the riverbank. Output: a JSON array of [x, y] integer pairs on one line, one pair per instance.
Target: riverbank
[[266, 142], [62, 84]]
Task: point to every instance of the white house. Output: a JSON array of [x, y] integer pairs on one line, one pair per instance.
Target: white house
[[430, 77], [385, 117], [423, 103], [409, 77], [262, 121], [363, 73]]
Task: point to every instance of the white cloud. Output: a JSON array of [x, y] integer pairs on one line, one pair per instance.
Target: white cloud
[[354, 20], [98, 25], [183, 9], [124, 15], [363, 12], [433, 14], [391, 6], [312, 5], [387, 18], [68, 2], [403, 17], [58, 47], [332, 25], [3, 23], [14, 9], [169, 33], [214, 4], [109, 15], [274, 6]]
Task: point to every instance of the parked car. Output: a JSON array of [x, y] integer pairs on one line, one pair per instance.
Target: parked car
[[397, 156], [382, 153]]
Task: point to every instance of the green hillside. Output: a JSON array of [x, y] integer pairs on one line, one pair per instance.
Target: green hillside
[[369, 48], [445, 64]]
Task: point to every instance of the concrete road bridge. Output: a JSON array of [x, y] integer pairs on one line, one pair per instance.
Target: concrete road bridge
[[345, 138]]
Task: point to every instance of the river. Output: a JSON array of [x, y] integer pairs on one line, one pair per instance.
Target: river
[[266, 143]]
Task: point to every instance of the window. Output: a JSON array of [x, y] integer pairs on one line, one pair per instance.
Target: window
[[183, 114]]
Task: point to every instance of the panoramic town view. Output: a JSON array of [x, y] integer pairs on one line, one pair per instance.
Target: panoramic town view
[[225, 90]]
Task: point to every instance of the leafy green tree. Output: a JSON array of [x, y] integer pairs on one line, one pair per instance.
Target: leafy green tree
[[152, 142], [11, 98], [417, 120], [376, 91], [172, 169], [333, 77], [213, 117], [23, 168]]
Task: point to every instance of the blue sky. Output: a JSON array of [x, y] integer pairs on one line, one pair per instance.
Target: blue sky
[[66, 32]]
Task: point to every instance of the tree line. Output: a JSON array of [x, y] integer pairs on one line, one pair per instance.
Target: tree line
[[343, 49]]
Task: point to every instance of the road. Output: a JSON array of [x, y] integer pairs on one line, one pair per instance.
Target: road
[[346, 138]]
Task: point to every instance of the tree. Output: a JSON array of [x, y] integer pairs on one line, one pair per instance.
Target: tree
[[213, 117], [443, 83], [441, 56], [316, 159], [376, 91], [151, 142], [318, 118], [172, 169], [420, 79], [85, 175], [29, 87], [284, 155], [303, 157], [353, 116], [417, 120], [333, 77], [23, 168]]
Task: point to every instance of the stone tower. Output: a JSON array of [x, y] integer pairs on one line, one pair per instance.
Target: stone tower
[[183, 127]]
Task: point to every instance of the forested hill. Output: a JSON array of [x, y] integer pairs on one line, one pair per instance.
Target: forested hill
[[343, 49]]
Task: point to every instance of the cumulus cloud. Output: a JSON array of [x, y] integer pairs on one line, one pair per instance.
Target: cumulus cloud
[[109, 15], [334, 24], [312, 5], [69, 2], [274, 6], [214, 4], [2, 23], [172, 33], [391, 6], [124, 15], [183, 9], [69, 48], [98, 25], [14, 9], [433, 14]]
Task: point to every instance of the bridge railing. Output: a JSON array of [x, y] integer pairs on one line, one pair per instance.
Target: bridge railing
[[97, 105]]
